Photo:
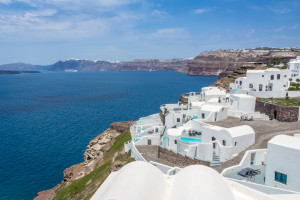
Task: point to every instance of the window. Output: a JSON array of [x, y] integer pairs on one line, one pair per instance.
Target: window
[[203, 115], [175, 141], [272, 77], [235, 143], [260, 87], [284, 85], [237, 82], [284, 76], [178, 119], [149, 141], [281, 178], [241, 82], [213, 138], [262, 75], [224, 142], [250, 85], [278, 76]]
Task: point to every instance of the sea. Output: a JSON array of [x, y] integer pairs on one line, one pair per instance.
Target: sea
[[48, 119]]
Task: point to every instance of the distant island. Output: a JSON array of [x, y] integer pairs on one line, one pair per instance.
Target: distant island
[[6, 72], [207, 63]]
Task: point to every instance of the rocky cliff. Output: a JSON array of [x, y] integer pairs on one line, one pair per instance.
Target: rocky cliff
[[104, 154], [222, 62], [178, 65]]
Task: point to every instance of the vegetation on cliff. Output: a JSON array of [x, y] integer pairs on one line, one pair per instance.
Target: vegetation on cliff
[[85, 187]]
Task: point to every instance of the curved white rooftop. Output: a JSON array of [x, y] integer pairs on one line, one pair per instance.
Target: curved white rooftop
[[143, 181], [286, 141], [200, 182], [272, 69], [135, 181], [240, 130]]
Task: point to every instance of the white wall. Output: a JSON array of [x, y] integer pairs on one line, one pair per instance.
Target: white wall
[[204, 151], [284, 160], [155, 140]]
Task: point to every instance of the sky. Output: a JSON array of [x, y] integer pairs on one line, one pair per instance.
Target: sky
[[45, 31]]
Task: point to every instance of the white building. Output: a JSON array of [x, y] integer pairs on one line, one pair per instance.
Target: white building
[[242, 103], [271, 79], [294, 68], [143, 181], [205, 142], [278, 165]]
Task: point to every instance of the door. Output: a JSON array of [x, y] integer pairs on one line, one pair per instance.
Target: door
[[275, 114], [149, 141]]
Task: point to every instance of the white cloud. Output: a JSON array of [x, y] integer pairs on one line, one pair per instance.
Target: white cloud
[[170, 33], [5, 1], [282, 28], [200, 11]]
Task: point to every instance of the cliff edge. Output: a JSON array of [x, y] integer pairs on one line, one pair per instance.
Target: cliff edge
[[104, 154]]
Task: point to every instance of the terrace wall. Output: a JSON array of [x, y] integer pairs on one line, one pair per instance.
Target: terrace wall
[[283, 113], [179, 160]]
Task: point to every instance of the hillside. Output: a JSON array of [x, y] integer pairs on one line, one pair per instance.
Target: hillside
[[104, 154], [222, 62], [135, 65]]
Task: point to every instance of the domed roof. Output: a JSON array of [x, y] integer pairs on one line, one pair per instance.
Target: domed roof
[[136, 180], [200, 182]]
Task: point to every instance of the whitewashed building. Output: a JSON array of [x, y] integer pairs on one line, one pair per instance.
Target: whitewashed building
[[144, 181], [205, 142], [278, 165], [242, 103], [271, 79], [294, 68]]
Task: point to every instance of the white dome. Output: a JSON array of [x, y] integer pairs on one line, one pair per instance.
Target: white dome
[[200, 182], [136, 180]]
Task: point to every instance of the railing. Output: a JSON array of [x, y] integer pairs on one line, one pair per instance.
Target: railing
[[136, 154], [127, 146]]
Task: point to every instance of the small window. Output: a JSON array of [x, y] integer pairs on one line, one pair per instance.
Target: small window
[[241, 82], [235, 143], [262, 75], [272, 77], [178, 119], [224, 142], [284, 85], [175, 141], [280, 177], [203, 115], [213, 138], [284, 76], [237, 82], [278, 76], [260, 87], [250, 85]]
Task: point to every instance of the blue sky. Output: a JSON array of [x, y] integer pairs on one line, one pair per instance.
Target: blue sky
[[44, 31]]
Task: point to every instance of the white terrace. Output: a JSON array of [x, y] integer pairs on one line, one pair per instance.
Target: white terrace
[[278, 166], [205, 142]]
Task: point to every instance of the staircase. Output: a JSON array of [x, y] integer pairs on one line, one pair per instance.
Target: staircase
[[215, 161]]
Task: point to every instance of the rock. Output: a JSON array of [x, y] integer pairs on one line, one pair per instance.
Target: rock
[[47, 194], [220, 62]]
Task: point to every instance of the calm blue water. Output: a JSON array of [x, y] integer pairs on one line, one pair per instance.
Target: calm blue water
[[188, 140], [48, 119]]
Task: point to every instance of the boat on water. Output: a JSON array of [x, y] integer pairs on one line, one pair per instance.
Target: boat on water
[[71, 70]]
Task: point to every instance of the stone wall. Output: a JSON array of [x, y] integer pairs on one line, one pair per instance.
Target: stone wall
[[183, 99], [177, 159], [281, 113]]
